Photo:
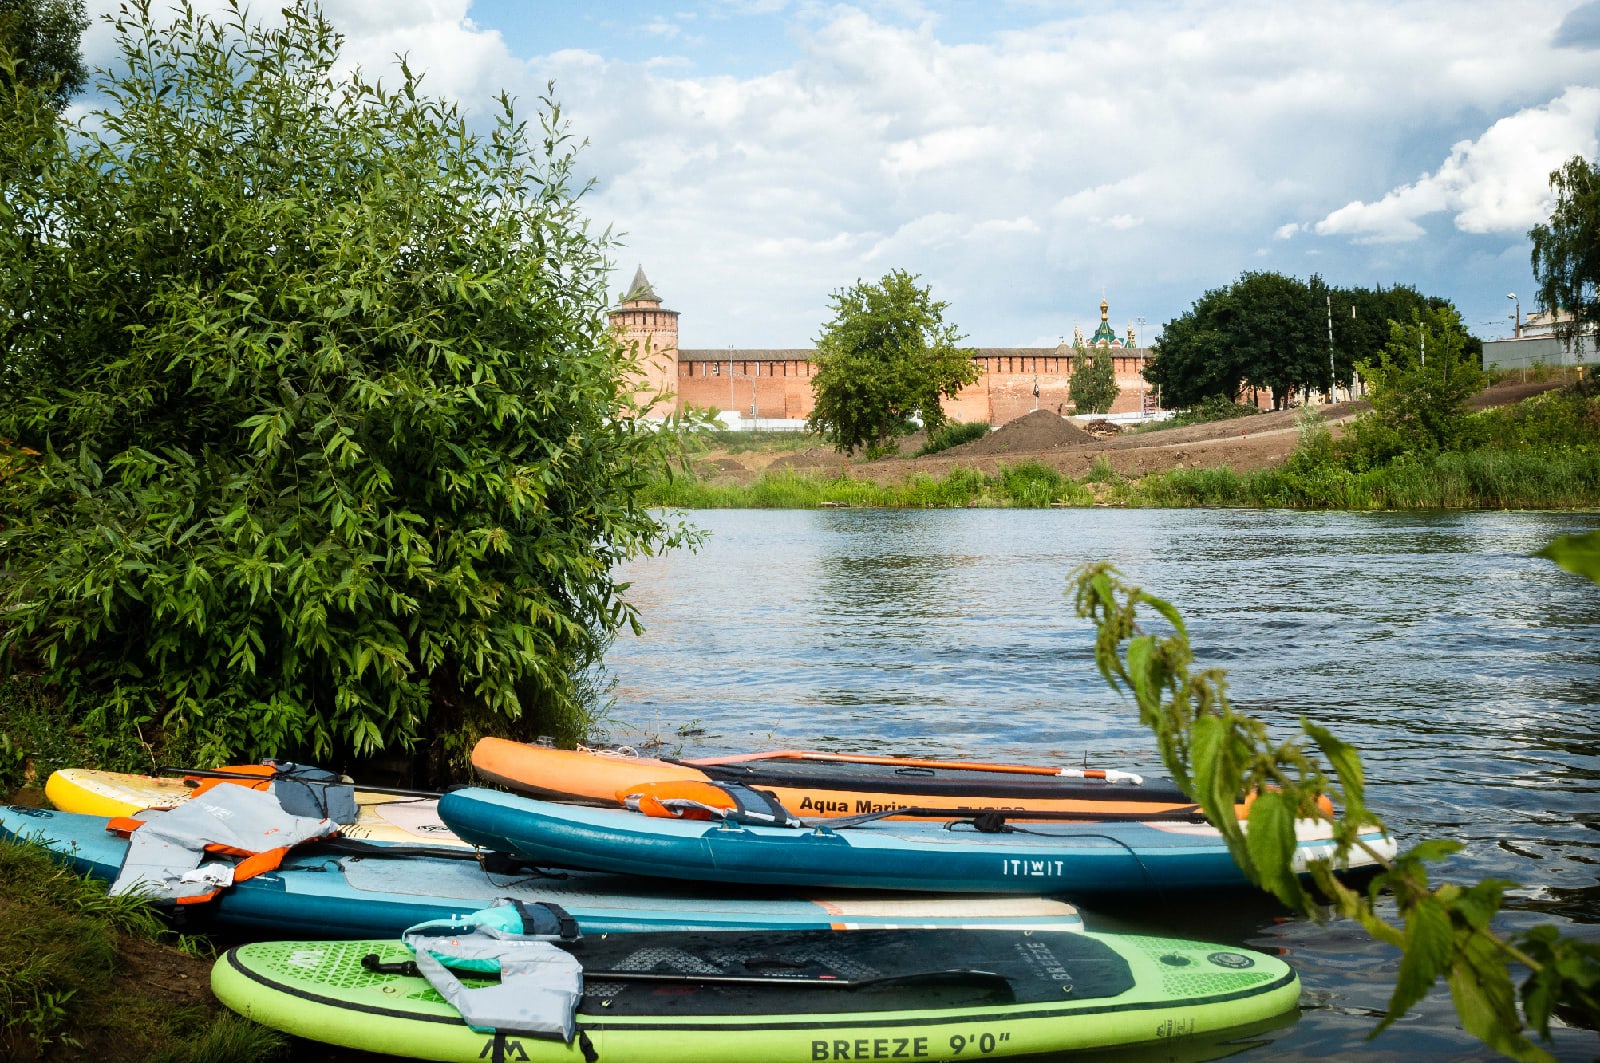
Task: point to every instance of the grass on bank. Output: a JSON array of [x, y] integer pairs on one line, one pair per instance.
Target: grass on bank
[[67, 991], [1542, 453]]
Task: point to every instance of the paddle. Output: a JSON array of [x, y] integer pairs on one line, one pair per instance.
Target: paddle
[[959, 975], [1110, 775], [992, 820], [217, 773]]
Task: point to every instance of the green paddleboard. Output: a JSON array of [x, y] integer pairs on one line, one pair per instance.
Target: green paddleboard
[[788, 997]]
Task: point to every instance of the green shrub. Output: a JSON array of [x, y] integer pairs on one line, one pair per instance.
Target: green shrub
[[1030, 484], [953, 435], [334, 444]]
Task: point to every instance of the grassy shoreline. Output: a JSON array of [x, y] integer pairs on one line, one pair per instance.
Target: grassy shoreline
[[1483, 479]]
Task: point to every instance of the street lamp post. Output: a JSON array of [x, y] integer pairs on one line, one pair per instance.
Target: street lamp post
[[1143, 346], [1516, 317]]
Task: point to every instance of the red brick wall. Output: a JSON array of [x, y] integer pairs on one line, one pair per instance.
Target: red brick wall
[[1002, 393]]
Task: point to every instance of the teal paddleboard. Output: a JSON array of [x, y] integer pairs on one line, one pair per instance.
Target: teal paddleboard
[[1089, 858], [381, 890], [796, 997]]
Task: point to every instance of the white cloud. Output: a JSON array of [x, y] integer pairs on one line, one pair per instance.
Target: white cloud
[[1498, 183], [1024, 159]]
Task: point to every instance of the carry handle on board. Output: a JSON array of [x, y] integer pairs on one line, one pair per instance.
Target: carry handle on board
[[948, 976]]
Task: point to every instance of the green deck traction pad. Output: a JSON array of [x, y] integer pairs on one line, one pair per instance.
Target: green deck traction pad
[[1061, 992]]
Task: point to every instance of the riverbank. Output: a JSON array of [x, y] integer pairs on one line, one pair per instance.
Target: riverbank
[[87, 976], [1041, 460]]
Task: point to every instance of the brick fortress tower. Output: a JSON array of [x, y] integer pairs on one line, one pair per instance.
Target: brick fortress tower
[[652, 332]]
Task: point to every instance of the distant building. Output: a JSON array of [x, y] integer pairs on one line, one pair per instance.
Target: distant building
[[1536, 343], [766, 384]]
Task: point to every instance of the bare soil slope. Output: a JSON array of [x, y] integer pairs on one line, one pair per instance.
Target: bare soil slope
[[1247, 444]]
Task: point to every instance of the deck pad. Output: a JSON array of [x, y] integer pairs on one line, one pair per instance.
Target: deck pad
[[936, 994]]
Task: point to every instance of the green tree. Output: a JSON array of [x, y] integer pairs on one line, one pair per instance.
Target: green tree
[[1093, 386], [1215, 753], [1269, 331], [333, 450], [39, 48], [1192, 361], [1420, 387], [888, 357], [1566, 250]]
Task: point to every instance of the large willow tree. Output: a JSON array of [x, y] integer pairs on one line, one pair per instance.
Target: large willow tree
[[324, 438], [1566, 251]]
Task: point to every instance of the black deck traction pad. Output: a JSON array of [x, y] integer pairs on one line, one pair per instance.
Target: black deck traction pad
[[924, 968], [959, 782]]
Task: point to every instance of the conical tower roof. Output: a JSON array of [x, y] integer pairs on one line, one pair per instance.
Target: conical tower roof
[[640, 291]]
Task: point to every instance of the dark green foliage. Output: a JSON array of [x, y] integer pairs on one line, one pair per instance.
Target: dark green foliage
[[39, 49], [1419, 388], [1271, 332], [953, 435], [1566, 250], [1030, 484], [885, 360], [333, 451], [1093, 387], [1564, 419]]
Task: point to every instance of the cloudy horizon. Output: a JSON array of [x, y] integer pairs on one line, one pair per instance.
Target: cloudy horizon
[[1026, 157]]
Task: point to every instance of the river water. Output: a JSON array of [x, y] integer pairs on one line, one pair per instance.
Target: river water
[[1466, 671]]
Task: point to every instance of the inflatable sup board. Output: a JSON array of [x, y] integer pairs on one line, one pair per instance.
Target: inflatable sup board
[[380, 817], [785, 998], [829, 784], [319, 892], [1077, 858]]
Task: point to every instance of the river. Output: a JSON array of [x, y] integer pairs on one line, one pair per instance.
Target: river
[[1465, 670]]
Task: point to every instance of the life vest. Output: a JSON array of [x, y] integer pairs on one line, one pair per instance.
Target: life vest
[[167, 850], [301, 789], [540, 985], [727, 801]]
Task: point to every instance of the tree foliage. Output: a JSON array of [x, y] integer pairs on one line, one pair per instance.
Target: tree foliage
[[1566, 250], [39, 49], [1420, 386], [1270, 332], [1216, 753], [1093, 386], [332, 451], [886, 358]]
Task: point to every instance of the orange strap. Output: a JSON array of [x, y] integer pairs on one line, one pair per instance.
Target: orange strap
[[254, 776], [678, 799]]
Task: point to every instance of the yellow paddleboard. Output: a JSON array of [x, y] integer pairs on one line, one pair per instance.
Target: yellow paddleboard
[[380, 817]]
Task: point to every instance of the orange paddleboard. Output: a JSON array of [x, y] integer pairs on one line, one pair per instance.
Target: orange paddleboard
[[829, 784]]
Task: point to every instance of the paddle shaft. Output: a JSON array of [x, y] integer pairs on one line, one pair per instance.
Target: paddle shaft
[[216, 773], [902, 762], [998, 816], [952, 974]]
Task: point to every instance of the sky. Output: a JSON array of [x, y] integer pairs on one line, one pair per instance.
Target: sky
[[1027, 158]]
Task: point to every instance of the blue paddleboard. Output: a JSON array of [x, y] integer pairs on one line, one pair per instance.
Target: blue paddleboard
[[1073, 858], [318, 892]]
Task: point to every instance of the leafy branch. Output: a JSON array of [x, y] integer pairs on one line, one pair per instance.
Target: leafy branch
[[1216, 753]]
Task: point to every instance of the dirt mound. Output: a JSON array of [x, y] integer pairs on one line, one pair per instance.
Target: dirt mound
[[1039, 430], [811, 458]]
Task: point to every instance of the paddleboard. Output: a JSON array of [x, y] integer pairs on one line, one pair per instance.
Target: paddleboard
[[787, 998], [380, 817], [1079, 858], [317, 892], [813, 784]]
